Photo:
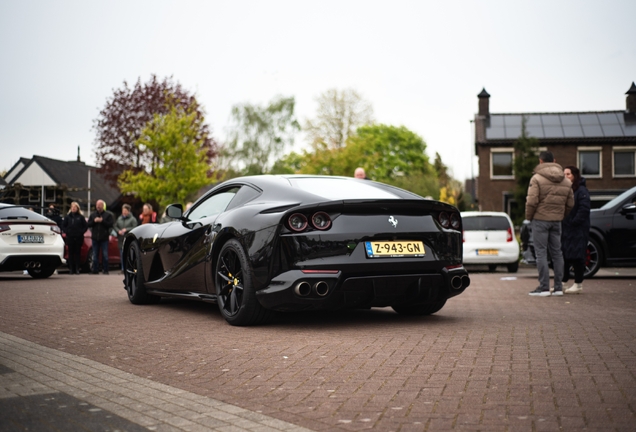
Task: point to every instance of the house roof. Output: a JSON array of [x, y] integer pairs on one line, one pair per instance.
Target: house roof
[[71, 174]]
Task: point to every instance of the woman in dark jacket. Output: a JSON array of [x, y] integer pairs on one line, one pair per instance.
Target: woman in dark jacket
[[575, 229], [74, 225]]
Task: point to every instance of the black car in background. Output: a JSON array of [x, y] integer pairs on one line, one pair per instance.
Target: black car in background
[[612, 241]]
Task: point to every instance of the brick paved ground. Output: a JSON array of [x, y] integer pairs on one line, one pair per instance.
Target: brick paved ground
[[493, 359]]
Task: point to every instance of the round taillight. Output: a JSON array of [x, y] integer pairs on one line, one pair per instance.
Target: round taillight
[[455, 221], [297, 222], [321, 220], [444, 220]]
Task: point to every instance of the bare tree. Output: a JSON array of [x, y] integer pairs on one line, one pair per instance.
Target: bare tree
[[339, 114]]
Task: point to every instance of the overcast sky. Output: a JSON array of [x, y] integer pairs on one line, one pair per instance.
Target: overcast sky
[[420, 63]]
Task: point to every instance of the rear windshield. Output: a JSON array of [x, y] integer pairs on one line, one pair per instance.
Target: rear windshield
[[485, 223], [20, 213], [341, 189]]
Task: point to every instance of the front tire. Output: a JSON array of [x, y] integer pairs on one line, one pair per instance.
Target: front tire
[[236, 296], [419, 310], [134, 277]]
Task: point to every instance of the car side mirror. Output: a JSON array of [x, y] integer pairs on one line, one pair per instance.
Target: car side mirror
[[629, 208], [175, 211]]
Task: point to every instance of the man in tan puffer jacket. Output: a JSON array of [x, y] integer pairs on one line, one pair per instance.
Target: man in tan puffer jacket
[[549, 200]]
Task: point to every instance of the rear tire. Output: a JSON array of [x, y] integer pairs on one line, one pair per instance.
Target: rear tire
[[134, 277], [513, 267], [41, 273], [593, 259], [235, 292], [492, 267], [419, 310]]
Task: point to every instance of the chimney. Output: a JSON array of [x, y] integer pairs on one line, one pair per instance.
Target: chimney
[[484, 103], [78, 156], [630, 102]]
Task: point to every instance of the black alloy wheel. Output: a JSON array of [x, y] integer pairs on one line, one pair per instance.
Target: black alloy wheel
[[134, 277], [236, 297], [419, 310], [593, 259]]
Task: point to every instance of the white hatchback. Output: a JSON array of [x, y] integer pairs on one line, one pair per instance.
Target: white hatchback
[[29, 241], [489, 239]]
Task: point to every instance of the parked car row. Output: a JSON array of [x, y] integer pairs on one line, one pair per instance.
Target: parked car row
[[86, 252]]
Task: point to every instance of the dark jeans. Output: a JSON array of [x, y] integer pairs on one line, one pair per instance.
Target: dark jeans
[[579, 269], [97, 245], [74, 248]]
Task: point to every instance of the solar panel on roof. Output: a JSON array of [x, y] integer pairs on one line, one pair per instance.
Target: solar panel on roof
[[573, 131], [533, 120], [608, 118], [589, 119], [495, 133], [612, 130], [496, 121], [535, 131], [570, 120], [550, 120], [512, 120], [592, 131], [553, 131]]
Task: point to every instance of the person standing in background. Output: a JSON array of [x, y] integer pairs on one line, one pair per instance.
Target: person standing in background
[[575, 231], [101, 221], [124, 223], [359, 173], [549, 200], [147, 215], [74, 226]]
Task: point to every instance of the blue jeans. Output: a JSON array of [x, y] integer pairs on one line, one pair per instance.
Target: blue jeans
[[546, 235], [97, 244]]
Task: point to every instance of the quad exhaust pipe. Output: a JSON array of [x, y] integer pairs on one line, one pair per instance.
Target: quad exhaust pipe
[[32, 264], [304, 288]]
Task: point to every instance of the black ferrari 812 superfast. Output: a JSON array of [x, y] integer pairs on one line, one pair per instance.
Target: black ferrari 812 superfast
[[261, 244]]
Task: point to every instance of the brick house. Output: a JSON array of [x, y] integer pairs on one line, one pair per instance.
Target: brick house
[[602, 144]]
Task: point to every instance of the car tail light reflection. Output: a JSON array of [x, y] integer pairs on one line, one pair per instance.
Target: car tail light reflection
[[455, 221], [56, 229], [509, 235], [321, 221], [444, 220], [4, 227], [297, 222]]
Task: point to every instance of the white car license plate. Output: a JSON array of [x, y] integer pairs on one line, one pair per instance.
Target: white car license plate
[[384, 249], [30, 238]]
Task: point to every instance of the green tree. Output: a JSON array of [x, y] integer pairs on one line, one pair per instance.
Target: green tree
[[259, 135], [180, 167], [526, 154], [339, 114], [127, 112]]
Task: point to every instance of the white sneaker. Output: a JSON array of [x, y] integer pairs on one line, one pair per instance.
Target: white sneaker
[[577, 288]]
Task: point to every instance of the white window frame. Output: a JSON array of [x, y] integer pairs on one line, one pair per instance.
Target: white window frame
[[510, 150], [579, 150], [623, 149]]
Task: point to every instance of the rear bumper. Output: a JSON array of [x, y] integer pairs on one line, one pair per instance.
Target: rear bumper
[[295, 290], [25, 262]]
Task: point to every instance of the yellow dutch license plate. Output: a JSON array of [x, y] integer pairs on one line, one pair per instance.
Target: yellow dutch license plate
[[487, 252], [394, 249]]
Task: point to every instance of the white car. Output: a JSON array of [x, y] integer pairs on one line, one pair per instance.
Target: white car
[[29, 241], [489, 238]]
